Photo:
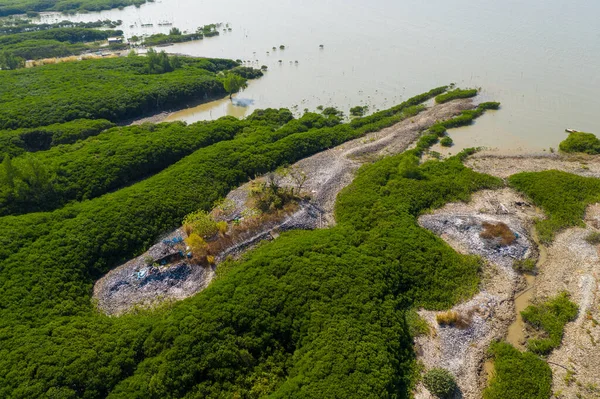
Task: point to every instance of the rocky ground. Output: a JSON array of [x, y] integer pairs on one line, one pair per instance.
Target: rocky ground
[[573, 265], [462, 350], [326, 173], [160, 274], [504, 165]]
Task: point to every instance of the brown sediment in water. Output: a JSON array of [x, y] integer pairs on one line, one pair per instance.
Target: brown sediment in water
[[516, 331]]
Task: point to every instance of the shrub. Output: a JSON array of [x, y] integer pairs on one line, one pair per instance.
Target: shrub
[[581, 142], [359, 110], [549, 318], [440, 382], [524, 266], [200, 223], [562, 196], [438, 129], [198, 246], [593, 238], [446, 142], [426, 141], [222, 227], [489, 105], [453, 319], [454, 94], [447, 318], [518, 375], [499, 230]]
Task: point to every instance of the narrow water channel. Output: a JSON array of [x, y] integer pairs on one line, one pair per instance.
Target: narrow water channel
[[516, 331]]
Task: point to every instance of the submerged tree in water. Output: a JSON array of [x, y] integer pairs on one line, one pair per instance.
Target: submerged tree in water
[[232, 82]]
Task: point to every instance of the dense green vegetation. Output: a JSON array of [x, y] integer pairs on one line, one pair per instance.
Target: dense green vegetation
[[446, 141], [59, 42], [563, 197], [440, 382], [518, 375], [315, 313], [128, 87], [14, 237], [175, 36], [455, 94], [71, 35], [549, 319], [19, 141], [581, 142], [20, 25], [12, 7], [100, 164]]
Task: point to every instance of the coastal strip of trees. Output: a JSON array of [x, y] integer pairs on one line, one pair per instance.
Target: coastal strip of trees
[[115, 89], [14, 7]]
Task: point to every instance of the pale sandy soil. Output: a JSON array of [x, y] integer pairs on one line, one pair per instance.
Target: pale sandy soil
[[504, 166], [573, 265], [463, 350]]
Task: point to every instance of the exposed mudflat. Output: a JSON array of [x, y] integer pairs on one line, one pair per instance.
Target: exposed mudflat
[[124, 288], [573, 265], [489, 313], [504, 165]]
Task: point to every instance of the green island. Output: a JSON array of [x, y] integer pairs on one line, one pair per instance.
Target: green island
[[14, 7], [130, 86], [284, 254]]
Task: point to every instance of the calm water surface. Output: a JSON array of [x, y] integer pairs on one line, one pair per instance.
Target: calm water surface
[[539, 58]]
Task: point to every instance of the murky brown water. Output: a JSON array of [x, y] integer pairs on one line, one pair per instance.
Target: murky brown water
[[539, 58]]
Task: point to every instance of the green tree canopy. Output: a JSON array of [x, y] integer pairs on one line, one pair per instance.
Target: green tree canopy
[[232, 82]]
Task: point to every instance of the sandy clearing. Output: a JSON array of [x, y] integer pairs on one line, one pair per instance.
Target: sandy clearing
[[504, 166], [463, 351], [573, 265]]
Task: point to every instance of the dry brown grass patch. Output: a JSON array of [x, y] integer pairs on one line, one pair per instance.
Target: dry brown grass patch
[[453, 319], [499, 230]]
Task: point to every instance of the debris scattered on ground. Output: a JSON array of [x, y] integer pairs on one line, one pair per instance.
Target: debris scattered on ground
[[573, 265], [462, 348], [162, 273]]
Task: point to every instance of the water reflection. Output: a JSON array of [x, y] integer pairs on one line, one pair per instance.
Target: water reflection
[[377, 53], [213, 110]]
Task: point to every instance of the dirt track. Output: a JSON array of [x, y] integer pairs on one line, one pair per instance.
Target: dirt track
[[330, 171], [326, 174]]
